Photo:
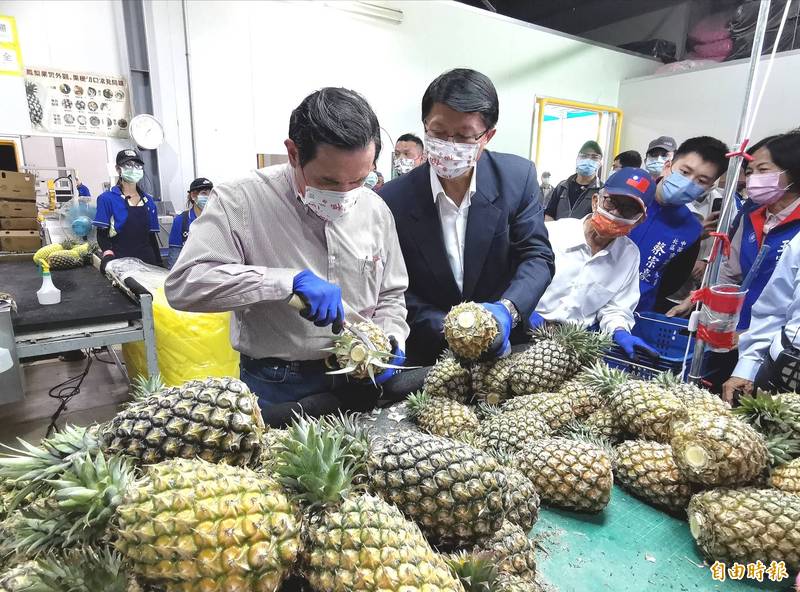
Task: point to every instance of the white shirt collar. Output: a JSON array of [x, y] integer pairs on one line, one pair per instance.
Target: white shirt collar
[[784, 213], [437, 189]]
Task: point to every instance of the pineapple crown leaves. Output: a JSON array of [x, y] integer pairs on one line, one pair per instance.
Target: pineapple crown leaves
[[488, 410], [143, 387], [575, 430], [476, 571], [29, 467], [417, 402], [84, 570], [316, 462], [604, 379], [86, 497], [782, 448], [768, 414]]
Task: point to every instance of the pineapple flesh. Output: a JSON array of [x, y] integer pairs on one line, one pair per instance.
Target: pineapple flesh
[[719, 450], [470, 330], [453, 491], [747, 525], [355, 357], [448, 379], [568, 474], [193, 525], [215, 419], [648, 470]]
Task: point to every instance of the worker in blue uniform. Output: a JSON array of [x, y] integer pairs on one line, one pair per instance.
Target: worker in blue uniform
[[199, 190], [126, 218], [671, 232]]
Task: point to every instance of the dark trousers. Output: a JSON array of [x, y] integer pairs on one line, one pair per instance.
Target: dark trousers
[[717, 368], [286, 388]]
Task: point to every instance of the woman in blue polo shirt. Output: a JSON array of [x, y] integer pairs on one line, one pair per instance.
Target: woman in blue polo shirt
[[127, 219], [199, 190]]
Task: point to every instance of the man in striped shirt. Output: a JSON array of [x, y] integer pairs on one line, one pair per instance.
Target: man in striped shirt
[[308, 228]]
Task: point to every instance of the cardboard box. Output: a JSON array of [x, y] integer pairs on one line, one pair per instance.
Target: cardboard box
[[19, 224], [17, 209], [17, 186], [20, 241]]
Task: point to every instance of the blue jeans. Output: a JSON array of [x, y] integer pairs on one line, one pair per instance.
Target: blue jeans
[[285, 388], [278, 381]]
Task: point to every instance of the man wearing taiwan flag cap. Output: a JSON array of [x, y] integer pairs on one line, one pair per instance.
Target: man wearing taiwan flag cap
[[597, 265]]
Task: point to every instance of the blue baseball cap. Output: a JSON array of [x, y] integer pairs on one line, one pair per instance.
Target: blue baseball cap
[[632, 182]]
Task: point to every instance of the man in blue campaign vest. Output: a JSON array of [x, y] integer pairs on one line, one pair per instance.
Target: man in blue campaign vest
[[671, 230]]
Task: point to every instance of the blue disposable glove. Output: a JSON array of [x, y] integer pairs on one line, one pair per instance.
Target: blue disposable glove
[[323, 299], [398, 359], [501, 346], [631, 344], [535, 320]]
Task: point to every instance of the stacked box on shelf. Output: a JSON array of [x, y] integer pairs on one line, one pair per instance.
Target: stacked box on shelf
[[19, 229]]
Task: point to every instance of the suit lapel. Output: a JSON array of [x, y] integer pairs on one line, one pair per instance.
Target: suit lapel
[[427, 230], [481, 225]]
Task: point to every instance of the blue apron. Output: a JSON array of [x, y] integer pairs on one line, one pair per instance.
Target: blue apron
[[133, 240], [753, 238]]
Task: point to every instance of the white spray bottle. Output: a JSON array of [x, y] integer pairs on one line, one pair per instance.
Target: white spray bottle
[[48, 293]]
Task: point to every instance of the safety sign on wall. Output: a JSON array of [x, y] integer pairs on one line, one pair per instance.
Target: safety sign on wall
[[77, 102]]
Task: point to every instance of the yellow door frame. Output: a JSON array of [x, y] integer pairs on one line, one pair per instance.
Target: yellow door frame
[[538, 120]]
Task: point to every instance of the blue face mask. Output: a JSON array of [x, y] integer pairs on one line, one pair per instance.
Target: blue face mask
[[587, 167], [371, 180], [201, 201], [677, 190]]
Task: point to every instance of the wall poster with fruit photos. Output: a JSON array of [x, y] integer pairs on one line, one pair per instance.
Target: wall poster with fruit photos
[[77, 102]]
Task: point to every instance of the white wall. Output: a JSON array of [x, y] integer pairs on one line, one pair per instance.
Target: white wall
[[708, 102], [253, 62], [67, 35]]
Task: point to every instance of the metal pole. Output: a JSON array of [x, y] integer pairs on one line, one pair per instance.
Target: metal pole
[[189, 85], [732, 176]]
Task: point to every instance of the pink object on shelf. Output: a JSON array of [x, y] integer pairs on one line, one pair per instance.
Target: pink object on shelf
[[715, 50], [711, 28]]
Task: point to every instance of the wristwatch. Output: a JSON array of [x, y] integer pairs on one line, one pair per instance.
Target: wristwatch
[[512, 309]]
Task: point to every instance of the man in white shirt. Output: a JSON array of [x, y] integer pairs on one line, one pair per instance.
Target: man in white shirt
[[307, 228], [774, 326], [469, 220], [597, 265]]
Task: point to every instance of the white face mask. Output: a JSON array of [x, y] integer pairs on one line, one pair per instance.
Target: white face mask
[[330, 205], [449, 159]]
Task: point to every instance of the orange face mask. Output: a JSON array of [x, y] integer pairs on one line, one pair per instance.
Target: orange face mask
[[608, 225]]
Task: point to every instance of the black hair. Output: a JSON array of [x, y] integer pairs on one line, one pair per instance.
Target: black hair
[[335, 116], [710, 150], [629, 158], [412, 138], [465, 91], [785, 152]]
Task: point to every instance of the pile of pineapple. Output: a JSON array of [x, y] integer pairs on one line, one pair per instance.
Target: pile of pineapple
[[66, 255], [186, 490]]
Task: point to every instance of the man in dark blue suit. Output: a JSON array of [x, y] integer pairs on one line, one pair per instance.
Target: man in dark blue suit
[[470, 222]]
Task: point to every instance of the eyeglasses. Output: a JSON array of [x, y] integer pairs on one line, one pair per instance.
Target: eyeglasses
[[591, 156], [622, 205], [457, 138]]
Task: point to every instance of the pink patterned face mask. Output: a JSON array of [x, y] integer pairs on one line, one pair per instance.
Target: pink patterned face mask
[[450, 159], [765, 188]]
